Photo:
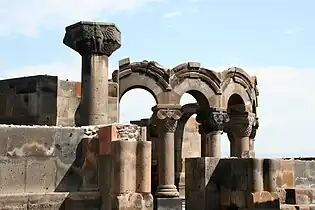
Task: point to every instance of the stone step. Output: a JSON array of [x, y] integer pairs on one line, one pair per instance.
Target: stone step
[[300, 196], [297, 207]]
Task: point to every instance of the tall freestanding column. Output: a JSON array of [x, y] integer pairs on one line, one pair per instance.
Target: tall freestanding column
[[167, 117], [95, 42], [240, 128], [212, 122]]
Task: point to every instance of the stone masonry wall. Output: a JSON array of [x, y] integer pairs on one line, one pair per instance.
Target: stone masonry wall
[[38, 159], [68, 100], [45, 100]]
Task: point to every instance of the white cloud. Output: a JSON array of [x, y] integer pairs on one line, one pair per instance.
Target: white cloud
[[27, 17], [172, 14]]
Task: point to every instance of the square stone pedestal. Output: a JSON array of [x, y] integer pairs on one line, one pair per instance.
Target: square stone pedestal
[[168, 204]]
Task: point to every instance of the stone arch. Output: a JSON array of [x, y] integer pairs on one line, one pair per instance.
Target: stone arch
[[201, 83], [188, 110], [237, 81], [146, 75]]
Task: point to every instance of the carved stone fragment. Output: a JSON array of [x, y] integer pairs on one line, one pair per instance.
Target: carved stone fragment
[[169, 118], [93, 38], [241, 124], [212, 119]]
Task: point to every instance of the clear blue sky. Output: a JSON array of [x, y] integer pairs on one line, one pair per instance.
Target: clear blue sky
[[273, 39]]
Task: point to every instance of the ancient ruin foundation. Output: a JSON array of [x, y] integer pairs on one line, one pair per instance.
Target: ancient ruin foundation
[[64, 148]]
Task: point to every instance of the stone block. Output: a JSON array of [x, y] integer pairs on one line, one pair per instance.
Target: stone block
[[263, 200], [83, 201], [63, 107], [12, 175], [202, 176], [52, 201], [304, 172], [69, 158], [114, 132], [29, 140], [40, 175], [168, 203], [131, 201], [300, 196], [285, 177], [14, 202], [66, 88]]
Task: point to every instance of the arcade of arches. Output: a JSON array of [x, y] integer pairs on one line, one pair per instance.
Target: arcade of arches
[[226, 102]]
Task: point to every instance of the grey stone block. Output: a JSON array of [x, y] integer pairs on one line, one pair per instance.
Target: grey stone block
[[12, 175], [168, 204], [53, 201], [69, 159], [40, 174]]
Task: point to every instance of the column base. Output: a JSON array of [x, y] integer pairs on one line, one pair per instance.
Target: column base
[[143, 201], [167, 191], [168, 203]]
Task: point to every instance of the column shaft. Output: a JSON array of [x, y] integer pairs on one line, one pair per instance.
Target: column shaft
[[213, 144], [167, 116], [94, 104], [212, 122]]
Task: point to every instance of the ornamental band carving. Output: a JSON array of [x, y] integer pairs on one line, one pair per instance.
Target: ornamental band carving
[[212, 119], [89, 38], [168, 118]]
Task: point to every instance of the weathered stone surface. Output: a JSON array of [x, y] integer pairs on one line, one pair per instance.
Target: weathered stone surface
[[304, 172], [300, 196], [93, 38], [40, 175], [12, 175], [168, 203], [131, 201], [200, 182], [51, 201]]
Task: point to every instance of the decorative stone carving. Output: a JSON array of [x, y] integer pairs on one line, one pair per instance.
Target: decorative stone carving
[[169, 117], [93, 38], [254, 129], [212, 119], [241, 124]]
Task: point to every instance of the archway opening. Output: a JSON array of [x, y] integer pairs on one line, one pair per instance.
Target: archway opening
[[187, 137], [235, 99], [136, 104]]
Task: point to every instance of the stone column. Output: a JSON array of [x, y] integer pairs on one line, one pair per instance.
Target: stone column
[[212, 122], [252, 137], [239, 129], [167, 117], [95, 42]]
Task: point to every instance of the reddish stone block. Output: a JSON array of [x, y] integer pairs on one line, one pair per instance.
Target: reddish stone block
[[288, 179], [106, 136], [262, 199], [78, 89], [287, 165]]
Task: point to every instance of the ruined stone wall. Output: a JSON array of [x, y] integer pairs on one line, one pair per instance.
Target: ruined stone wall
[[45, 100], [191, 147], [213, 183], [68, 101], [38, 159]]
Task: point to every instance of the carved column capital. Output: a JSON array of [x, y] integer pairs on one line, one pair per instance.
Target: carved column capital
[[89, 38], [212, 119], [241, 124], [167, 116], [254, 129]]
